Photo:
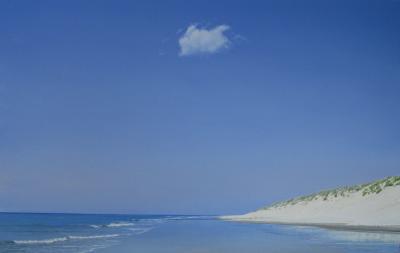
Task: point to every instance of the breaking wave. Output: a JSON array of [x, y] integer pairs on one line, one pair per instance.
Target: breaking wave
[[65, 238], [120, 224], [138, 231]]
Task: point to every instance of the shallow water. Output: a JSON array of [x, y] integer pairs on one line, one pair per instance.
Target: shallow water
[[172, 234]]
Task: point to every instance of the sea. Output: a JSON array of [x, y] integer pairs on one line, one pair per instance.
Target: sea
[[45, 233]]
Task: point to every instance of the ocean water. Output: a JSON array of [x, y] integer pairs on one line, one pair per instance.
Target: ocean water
[[177, 234]]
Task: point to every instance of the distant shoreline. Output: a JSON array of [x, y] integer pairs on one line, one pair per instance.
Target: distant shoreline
[[333, 226]]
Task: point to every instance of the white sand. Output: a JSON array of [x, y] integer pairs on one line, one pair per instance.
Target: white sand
[[373, 210]]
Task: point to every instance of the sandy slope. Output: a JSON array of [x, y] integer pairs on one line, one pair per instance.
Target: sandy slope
[[377, 209]]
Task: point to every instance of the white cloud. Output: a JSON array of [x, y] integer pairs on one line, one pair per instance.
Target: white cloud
[[202, 41]]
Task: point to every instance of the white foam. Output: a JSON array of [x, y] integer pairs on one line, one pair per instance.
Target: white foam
[[139, 231], [46, 241], [61, 239], [120, 224], [93, 237], [96, 247]]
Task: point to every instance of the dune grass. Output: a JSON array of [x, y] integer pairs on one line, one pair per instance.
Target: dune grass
[[370, 188]]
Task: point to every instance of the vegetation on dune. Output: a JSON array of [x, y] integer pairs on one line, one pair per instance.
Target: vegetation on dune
[[365, 189]]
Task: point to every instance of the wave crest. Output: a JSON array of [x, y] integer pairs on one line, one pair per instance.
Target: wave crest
[[138, 231], [120, 224], [45, 241], [65, 238]]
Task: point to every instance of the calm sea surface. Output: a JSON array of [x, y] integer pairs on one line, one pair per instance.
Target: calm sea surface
[[176, 234]]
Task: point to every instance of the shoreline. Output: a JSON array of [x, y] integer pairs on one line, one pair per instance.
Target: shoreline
[[372, 207], [332, 226]]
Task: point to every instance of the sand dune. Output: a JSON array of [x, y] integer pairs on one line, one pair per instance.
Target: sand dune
[[373, 205]]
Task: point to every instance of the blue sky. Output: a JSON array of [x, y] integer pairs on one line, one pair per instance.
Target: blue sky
[[194, 107]]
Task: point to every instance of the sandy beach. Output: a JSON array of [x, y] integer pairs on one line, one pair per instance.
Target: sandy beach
[[339, 209]]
